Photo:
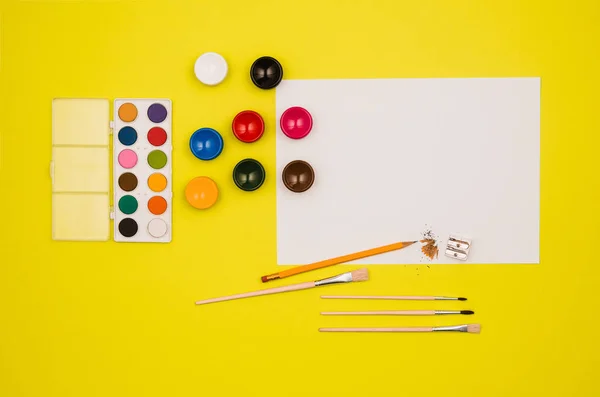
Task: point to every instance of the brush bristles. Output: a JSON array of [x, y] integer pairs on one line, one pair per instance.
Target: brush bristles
[[473, 328], [360, 275]]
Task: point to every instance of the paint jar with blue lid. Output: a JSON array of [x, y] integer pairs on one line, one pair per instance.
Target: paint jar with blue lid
[[206, 143]]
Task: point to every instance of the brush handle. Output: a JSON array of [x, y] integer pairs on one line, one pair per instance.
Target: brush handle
[[406, 298], [414, 329], [384, 313], [287, 288]]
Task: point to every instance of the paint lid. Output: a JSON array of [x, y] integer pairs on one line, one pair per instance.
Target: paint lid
[[248, 126], [249, 175], [201, 192], [211, 68], [298, 176], [206, 144], [79, 169], [266, 72], [296, 122]]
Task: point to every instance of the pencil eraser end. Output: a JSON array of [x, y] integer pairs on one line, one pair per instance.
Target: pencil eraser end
[[270, 277]]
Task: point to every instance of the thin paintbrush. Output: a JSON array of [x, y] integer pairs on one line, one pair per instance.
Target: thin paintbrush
[[400, 313], [391, 297], [356, 275], [336, 261], [470, 328]]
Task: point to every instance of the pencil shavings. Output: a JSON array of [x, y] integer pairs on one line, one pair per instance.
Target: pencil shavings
[[430, 248]]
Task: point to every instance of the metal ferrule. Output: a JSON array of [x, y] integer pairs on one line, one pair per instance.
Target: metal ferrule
[[447, 312], [455, 328], [341, 278], [445, 298]]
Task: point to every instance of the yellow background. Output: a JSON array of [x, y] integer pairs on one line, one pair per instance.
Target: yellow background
[[107, 319]]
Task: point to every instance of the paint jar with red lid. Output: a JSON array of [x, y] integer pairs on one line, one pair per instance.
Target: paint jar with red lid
[[248, 126]]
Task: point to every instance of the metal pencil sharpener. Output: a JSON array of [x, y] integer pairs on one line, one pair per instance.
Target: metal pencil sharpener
[[458, 247]]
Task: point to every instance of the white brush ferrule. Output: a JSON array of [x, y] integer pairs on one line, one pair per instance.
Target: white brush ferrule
[[447, 312], [445, 298], [455, 328], [341, 278]]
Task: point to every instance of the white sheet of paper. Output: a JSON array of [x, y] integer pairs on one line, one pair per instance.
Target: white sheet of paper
[[393, 157]]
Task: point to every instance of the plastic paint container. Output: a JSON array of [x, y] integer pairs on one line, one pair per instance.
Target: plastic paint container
[[201, 192], [211, 68], [249, 175], [266, 72], [248, 126], [296, 122], [298, 176], [206, 144]]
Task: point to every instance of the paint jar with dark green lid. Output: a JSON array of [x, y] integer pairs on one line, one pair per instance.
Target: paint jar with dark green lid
[[249, 175]]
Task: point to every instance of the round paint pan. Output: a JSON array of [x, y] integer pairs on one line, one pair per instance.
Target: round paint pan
[[127, 136], [206, 144], [157, 136], [296, 122], [157, 228], [248, 126], [128, 112], [298, 176], [211, 68], [157, 113], [128, 227], [249, 175], [128, 182], [266, 72]]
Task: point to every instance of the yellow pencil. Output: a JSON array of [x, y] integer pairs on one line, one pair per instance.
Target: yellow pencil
[[335, 261]]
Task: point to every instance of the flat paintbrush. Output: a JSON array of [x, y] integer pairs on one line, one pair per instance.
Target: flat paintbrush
[[349, 277]]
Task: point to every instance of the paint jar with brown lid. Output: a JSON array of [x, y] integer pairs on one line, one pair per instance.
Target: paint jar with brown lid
[[298, 176]]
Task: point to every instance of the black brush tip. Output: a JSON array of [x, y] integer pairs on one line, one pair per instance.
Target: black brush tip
[[462, 299], [467, 312]]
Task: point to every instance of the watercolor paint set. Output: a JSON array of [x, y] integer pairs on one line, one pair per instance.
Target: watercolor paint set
[[141, 134]]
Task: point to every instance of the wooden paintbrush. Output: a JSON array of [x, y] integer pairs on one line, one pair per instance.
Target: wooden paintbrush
[[349, 277], [393, 297], [336, 261], [400, 313], [470, 328]]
